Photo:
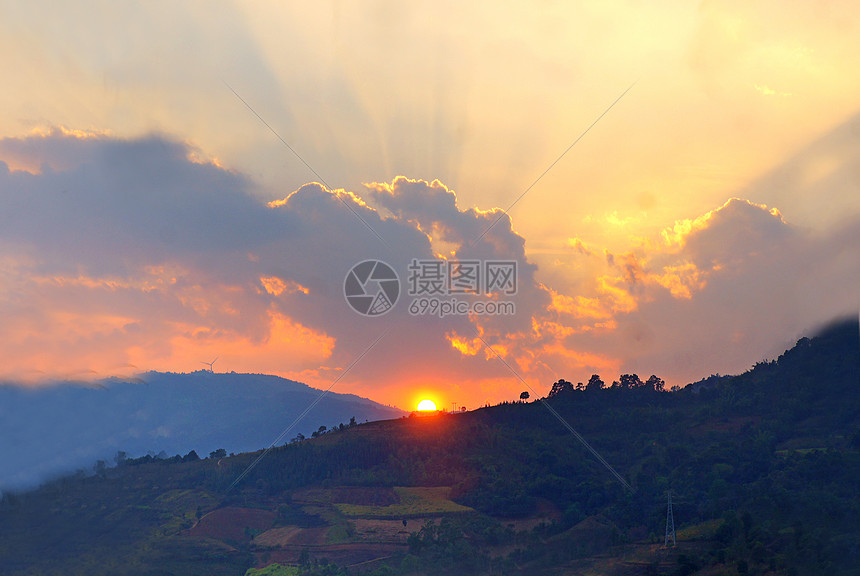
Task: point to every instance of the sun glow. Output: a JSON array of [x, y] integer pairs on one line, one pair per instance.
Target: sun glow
[[426, 406]]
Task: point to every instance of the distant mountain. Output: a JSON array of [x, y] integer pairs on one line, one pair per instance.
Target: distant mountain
[[52, 430]]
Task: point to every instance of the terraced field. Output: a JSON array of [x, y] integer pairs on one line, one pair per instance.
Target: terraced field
[[412, 503], [353, 526]]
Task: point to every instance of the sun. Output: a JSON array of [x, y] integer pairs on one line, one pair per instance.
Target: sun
[[426, 406]]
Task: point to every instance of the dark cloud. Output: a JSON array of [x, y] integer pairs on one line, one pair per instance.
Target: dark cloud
[[116, 205], [736, 232], [153, 255]]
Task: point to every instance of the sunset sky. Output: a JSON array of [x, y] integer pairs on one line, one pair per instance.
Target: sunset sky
[[149, 220]]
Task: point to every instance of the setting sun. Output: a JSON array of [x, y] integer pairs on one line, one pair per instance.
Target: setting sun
[[426, 406]]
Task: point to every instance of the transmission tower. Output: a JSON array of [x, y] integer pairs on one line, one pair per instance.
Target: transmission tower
[[670, 523]]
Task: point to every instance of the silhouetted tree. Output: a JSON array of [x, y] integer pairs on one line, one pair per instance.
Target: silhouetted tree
[[561, 386], [655, 383], [191, 457], [219, 453], [524, 396], [630, 381], [594, 383]]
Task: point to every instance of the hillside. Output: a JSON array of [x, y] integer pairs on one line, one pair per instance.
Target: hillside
[[57, 429], [763, 467]]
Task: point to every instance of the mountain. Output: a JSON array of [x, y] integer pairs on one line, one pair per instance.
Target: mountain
[[763, 469], [56, 429]]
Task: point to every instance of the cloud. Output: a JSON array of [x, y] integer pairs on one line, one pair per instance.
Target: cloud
[[118, 256], [580, 246], [766, 91], [122, 252], [819, 182], [137, 253], [719, 292]]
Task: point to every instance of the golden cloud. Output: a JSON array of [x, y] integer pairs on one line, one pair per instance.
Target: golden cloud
[[465, 346], [681, 280], [675, 237], [277, 286]]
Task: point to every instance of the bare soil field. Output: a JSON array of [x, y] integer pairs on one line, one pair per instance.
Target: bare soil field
[[230, 523]]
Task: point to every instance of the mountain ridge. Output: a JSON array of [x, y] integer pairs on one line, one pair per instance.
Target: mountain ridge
[[58, 428], [763, 470]]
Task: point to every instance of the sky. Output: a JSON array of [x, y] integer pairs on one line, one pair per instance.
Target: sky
[[675, 182]]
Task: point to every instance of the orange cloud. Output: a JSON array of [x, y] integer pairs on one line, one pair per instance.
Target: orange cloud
[[682, 280], [463, 345], [277, 286], [580, 246], [620, 301], [286, 346], [583, 360], [55, 131], [676, 236], [339, 193], [579, 306]]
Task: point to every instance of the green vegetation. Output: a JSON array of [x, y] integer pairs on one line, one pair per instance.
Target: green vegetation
[[414, 502], [274, 570], [763, 468], [703, 531]]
